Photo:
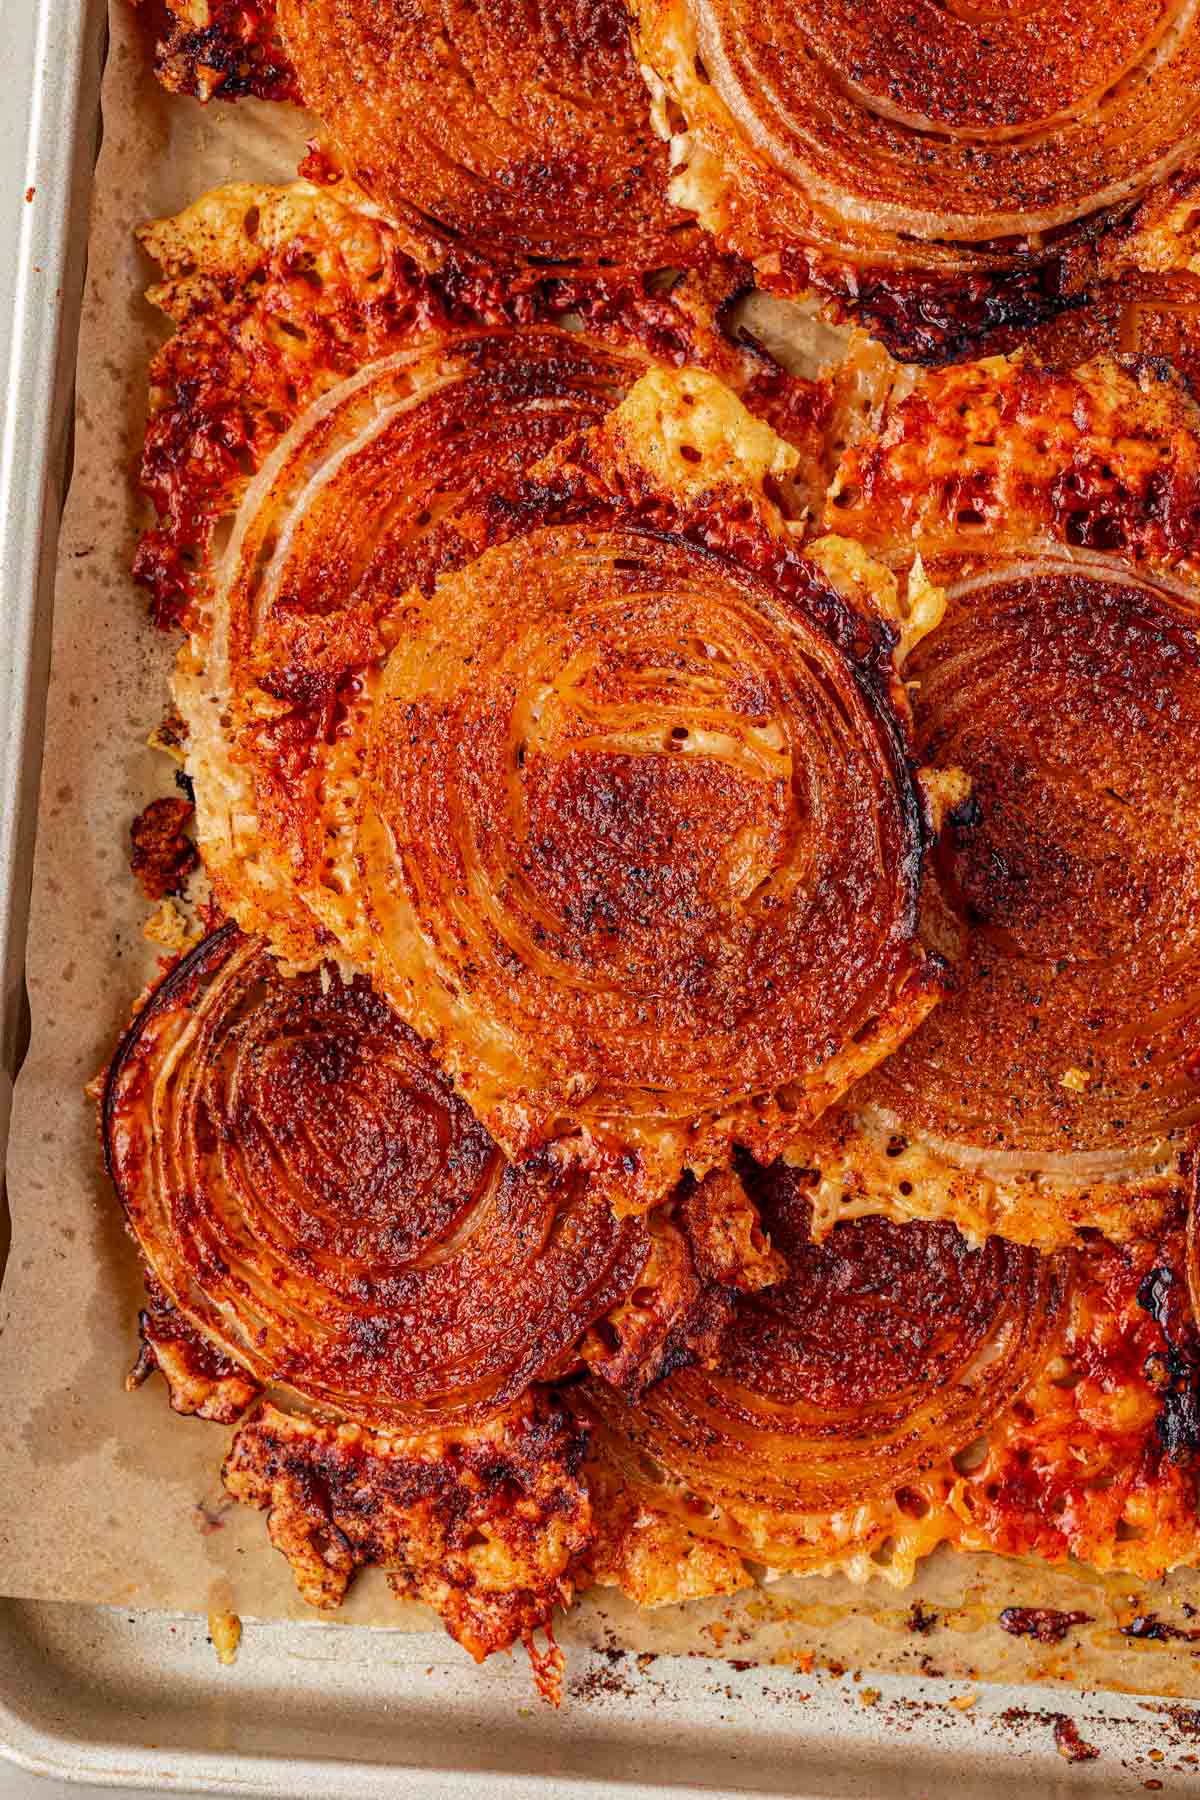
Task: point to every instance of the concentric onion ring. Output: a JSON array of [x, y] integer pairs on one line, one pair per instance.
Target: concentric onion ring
[[937, 165], [823, 1439], [643, 849], [316, 1202]]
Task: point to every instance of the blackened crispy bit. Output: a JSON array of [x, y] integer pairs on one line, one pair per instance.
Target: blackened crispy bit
[[236, 52], [162, 856]]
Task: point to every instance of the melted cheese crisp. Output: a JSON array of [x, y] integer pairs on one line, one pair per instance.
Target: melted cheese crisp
[[942, 170]]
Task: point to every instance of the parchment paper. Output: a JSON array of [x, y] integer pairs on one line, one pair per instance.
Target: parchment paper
[[108, 1497]]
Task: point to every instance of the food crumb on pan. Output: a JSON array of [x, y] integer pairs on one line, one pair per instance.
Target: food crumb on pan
[[1067, 1741], [225, 1630]]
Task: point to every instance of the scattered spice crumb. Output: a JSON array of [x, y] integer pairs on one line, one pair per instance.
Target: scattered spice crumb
[[29, 193], [1041, 1622], [1067, 1741], [921, 1618], [870, 1696]]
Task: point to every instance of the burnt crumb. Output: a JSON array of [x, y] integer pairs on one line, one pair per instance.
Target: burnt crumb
[[1067, 1741], [186, 786], [933, 319], [921, 1618], [1174, 1372], [605, 1680], [1042, 1623], [161, 856], [1149, 1628]]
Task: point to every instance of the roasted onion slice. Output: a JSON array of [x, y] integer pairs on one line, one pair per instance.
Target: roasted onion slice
[[1055, 1089], [326, 424], [643, 848], [939, 166], [1089, 1453], [320, 1207], [823, 1439], [516, 132]]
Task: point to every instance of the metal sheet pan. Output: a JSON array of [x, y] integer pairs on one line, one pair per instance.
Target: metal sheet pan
[[138, 1700]]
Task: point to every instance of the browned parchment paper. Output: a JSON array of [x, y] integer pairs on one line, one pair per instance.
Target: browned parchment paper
[[108, 1497]]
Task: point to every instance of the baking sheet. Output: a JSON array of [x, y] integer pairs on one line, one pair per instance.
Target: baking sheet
[[108, 1497]]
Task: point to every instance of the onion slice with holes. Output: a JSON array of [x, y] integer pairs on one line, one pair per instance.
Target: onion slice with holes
[[823, 1438]]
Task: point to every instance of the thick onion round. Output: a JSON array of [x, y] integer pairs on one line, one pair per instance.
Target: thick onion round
[[932, 162], [1056, 1085], [314, 1199], [887, 1349], [1055, 1090], [643, 848]]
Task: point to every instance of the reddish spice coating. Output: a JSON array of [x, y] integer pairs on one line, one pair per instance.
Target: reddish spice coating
[[614, 862], [877, 1309], [521, 129], [518, 132], [945, 174], [161, 856], [200, 1378], [1042, 1623], [255, 347]]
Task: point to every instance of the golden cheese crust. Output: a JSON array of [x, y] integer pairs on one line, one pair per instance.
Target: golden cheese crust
[[483, 1525], [944, 173]]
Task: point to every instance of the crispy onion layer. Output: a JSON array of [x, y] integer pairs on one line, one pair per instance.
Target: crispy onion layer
[[939, 165], [519, 131], [822, 1438], [643, 851], [1091, 1455], [316, 1202]]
